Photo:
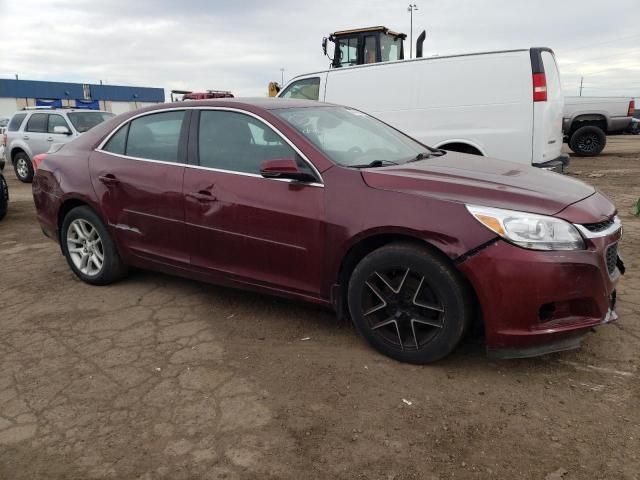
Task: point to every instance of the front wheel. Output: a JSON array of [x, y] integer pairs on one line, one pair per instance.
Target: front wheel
[[23, 168], [588, 141], [409, 303], [89, 249]]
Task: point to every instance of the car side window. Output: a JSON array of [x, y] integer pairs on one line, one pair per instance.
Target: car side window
[[155, 136], [240, 143], [307, 88], [37, 123], [16, 121], [118, 142], [56, 121]]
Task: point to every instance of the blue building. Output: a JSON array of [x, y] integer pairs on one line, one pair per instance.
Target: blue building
[[17, 94]]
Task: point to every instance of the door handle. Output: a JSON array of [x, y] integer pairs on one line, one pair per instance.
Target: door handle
[[109, 179], [202, 196], [50, 139]]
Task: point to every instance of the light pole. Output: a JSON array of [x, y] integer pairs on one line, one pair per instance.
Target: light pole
[[281, 76], [410, 9]]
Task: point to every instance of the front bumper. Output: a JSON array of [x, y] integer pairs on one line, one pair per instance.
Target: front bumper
[[558, 164], [536, 302]]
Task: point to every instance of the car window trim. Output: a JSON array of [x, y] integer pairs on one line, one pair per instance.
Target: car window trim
[[318, 183], [195, 124], [127, 123]]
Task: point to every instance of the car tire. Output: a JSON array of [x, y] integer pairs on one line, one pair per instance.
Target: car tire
[[409, 303], [4, 197], [588, 141], [23, 167], [89, 249]]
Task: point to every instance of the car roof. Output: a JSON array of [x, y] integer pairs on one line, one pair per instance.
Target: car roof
[[58, 110]]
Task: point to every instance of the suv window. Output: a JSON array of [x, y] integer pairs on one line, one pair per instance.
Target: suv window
[[155, 136], [56, 121], [37, 123], [307, 88], [240, 143], [16, 121]]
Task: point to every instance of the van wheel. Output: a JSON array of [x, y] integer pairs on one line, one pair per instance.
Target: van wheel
[[89, 249], [23, 168], [588, 141], [408, 303], [4, 197]]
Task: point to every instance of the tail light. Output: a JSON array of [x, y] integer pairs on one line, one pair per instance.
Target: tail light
[[4, 139], [539, 87], [630, 112], [37, 160]]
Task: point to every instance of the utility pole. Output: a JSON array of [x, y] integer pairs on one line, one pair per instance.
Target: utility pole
[[410, 9], [581, 79], [281, 76]]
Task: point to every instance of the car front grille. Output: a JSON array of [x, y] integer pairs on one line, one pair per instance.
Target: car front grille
[[611, 257], [598, 227]]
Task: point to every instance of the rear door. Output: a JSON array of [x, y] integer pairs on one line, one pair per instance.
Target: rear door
[[137, 176], [547, 114], [259, 230], [35, 133]]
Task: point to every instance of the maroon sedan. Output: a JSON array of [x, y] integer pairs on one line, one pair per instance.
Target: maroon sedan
[[326, 204]]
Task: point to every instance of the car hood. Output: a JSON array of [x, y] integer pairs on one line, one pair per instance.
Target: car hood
[[482, 181]]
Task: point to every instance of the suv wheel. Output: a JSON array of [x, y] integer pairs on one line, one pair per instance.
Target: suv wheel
[[89, 249], [23, 168], [4, 197], [408, 303], [588, 141]]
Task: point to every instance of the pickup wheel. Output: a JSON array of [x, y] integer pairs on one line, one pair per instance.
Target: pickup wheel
[[588, 141], [23, 168], [409, 303]]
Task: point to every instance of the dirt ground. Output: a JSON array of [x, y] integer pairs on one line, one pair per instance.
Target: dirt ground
[[160, 377]]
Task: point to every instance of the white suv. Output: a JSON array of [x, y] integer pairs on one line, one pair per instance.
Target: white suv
[[33, 131]]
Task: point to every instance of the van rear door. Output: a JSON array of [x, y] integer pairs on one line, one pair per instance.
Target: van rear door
[[548, 104]]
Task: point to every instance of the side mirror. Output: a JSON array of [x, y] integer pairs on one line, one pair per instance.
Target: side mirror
[[61, 130], [284, 168]]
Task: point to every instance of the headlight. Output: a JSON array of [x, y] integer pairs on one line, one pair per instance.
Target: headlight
[[528, 230]]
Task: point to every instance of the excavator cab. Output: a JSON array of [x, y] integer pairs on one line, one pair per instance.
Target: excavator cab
[[365, 45]]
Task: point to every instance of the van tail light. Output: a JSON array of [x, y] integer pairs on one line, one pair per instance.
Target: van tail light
[[37, 160], [630, 112], [539, 87], [4, 139]]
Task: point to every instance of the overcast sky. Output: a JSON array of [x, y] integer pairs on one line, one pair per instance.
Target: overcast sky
[[242, 45]]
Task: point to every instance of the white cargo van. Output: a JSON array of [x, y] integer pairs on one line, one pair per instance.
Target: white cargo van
[[503, 104]]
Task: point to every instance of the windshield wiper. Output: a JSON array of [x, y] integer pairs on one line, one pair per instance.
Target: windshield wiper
[[375, 163], [423, 155]]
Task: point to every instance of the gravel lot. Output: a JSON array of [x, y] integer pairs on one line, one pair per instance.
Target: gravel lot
[[160, 377]]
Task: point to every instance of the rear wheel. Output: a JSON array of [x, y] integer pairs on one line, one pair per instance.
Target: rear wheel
[[588, 141], [409, 303], [23, 168], [4, 197], [89, 249]]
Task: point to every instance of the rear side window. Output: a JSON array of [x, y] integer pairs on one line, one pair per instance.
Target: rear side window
[[16, 121], [118, 142], [37, 123], [307, 88], [155, 136]]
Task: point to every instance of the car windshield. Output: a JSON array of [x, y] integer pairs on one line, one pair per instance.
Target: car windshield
[[83, 121], [4, 122], [352, 138]]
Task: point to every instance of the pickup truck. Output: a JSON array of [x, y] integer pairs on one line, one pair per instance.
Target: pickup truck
[[588, 120]]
